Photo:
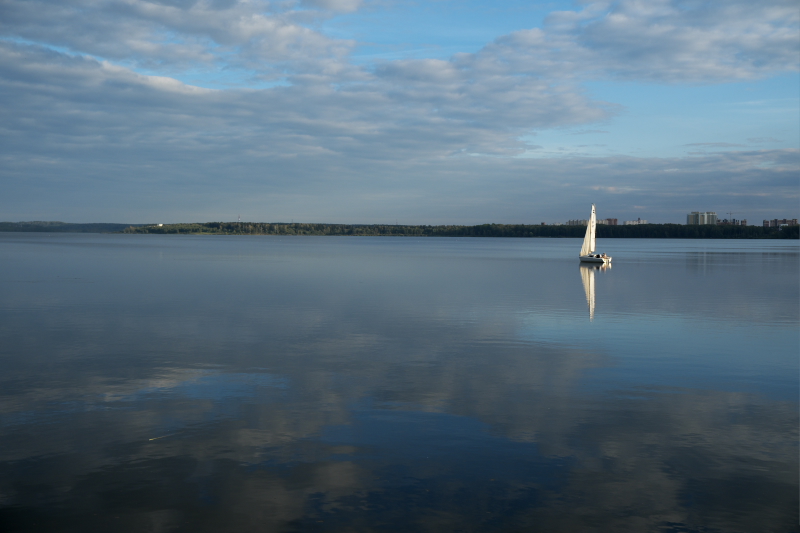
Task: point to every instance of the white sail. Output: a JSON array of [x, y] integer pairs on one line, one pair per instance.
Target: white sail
[[588, 240], [587, 276]]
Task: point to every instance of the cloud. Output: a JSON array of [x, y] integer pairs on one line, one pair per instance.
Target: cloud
[[84, 131], [391, 117], [174, 36], [665, 41], [717, 145], [334, 5], [759, 140], [88, 116], [613, 190], [668, 40], [587, 132]]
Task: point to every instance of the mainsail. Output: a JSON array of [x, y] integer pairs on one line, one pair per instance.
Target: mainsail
[[588, 241]]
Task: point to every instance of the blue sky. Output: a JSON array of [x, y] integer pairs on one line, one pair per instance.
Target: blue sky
[[371, 111]]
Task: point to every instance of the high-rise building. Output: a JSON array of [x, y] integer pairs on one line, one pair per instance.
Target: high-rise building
[[698, 218], [778, 222]]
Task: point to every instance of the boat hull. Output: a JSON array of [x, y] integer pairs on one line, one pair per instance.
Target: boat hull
[[594, 258]]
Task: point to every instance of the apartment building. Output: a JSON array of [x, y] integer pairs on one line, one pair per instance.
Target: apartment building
[[699, 218]]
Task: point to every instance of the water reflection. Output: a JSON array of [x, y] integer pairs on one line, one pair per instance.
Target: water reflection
[[341, 387], [587, 277]]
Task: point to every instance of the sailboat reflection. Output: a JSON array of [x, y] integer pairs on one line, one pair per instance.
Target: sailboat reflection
[[587, 276]]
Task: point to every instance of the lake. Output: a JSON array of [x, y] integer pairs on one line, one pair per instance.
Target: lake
[[206, 383]]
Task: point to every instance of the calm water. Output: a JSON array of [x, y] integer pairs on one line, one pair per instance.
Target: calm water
[[166, 383]]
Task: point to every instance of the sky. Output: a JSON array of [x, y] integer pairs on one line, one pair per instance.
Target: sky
[[398, 111]]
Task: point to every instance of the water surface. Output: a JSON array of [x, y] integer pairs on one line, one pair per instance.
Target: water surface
[[201, 383]]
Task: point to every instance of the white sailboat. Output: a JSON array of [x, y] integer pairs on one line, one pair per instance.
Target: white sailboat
[[588, 253]]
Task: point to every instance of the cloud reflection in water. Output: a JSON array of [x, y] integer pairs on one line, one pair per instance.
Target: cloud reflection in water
[[354, 384]]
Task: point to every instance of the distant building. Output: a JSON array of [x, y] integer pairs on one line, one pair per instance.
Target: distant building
[[608, 221], [732, 222], [577, 222], [697, 218], [778, 222], [634, 222]]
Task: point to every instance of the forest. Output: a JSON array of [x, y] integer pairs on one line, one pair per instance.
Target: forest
[[641, 231], [63, 227]]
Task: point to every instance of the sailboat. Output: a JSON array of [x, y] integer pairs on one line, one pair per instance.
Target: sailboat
[[588, 254]]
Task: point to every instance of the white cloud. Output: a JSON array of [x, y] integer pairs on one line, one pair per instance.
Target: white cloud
[[344, 131], [89, 132], [334, 5], [657, 40], [759, 140], [716, 145], [171, 36]]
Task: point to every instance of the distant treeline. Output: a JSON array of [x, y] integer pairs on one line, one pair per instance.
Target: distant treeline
[[63, 227], [650, 231]]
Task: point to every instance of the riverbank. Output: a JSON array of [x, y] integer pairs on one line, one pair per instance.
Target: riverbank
[[641, 231]]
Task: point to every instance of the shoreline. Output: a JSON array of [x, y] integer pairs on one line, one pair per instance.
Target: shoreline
[[640, 231]]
